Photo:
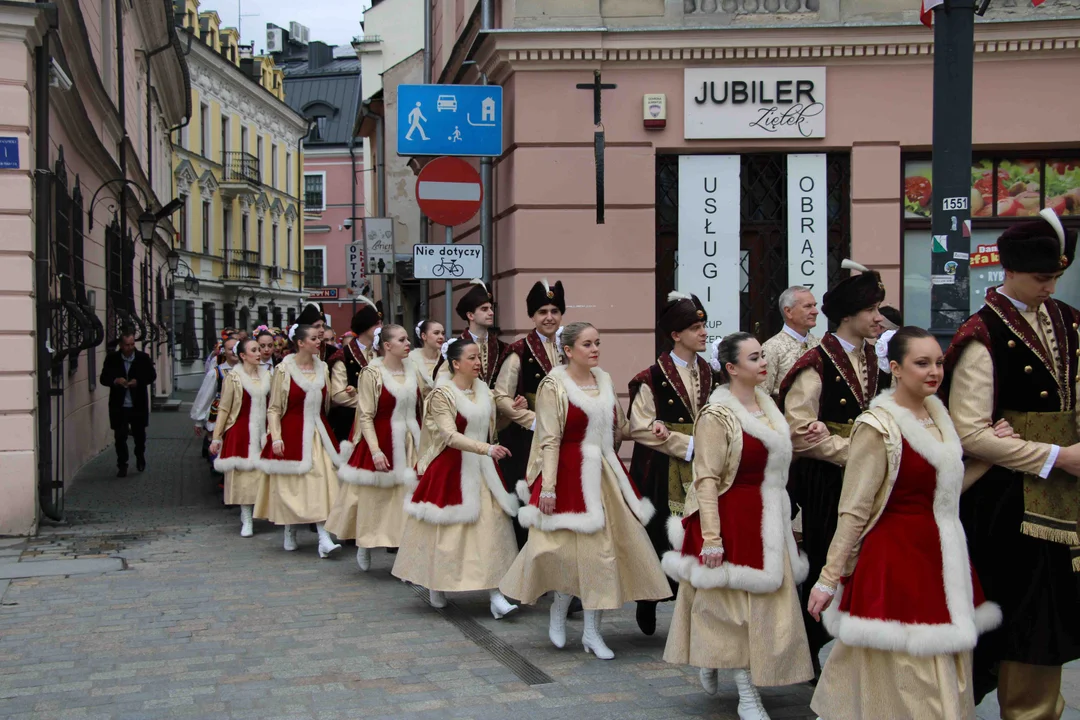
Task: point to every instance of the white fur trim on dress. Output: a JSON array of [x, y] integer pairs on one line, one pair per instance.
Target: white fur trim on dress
[[258, 391], [777, 539], [597, 450], [474, 467], [968, 622], [402, 423], [313, 404]]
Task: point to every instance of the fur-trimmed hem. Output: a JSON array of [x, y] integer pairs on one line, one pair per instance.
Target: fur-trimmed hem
[[223, 465], [777, 540], [374, 478], [597, 450], [916, 639], [524, 493], [474, 467]]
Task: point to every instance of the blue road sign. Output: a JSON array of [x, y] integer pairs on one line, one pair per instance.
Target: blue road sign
[[461, 120], [9, 151]]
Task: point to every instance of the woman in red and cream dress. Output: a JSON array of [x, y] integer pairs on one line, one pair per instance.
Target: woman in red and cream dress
[[386, 433], [431, 335], [735, 557], [301, 453], [240, 431], [458, 534], [586, 518], [898, 590]]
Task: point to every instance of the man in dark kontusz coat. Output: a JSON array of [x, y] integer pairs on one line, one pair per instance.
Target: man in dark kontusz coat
[[129, 374]]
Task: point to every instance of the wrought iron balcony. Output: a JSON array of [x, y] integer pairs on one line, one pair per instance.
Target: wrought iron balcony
[[240, 170], [241, 265]]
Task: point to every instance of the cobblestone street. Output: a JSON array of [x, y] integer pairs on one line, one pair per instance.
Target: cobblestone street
[[201, 623]]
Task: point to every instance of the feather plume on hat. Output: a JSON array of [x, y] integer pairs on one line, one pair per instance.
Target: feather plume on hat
[[365, 300], [676, 295], [849, 264], [478, 281]]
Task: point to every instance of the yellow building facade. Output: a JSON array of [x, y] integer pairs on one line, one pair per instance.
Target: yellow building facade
[[239, 166]]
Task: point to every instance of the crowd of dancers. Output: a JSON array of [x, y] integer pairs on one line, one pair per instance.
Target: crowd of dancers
[[493, 467]]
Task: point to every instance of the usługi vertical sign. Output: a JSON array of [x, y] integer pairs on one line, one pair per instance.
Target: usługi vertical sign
[[808, 226], [709, 245]]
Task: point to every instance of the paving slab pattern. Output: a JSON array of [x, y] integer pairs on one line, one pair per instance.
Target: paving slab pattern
[[204, 624]]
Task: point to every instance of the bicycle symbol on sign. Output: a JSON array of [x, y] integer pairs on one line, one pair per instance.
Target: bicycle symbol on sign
[[451, 266]]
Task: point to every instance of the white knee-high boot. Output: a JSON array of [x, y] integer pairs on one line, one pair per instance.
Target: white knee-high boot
[[560, 605], [246, 524], [326, 544], [500, 606], [290, 538], [592, 639], [750, 707]]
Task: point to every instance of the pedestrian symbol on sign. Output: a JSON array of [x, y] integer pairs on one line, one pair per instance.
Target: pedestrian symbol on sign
[[415, 118], [456, 137]]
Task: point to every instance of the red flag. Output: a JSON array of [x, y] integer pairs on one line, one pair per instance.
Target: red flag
[[926, 12]]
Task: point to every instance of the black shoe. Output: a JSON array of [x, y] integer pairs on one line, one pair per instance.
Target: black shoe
[[121, 471], [312, 528], [391, 551], [646, 616], [575, 606], [140, 464]]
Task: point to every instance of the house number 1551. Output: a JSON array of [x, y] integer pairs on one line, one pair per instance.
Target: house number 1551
[[954, 203]]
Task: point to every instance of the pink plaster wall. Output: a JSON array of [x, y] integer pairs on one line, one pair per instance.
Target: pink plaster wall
[[339, 178], [544, 184]]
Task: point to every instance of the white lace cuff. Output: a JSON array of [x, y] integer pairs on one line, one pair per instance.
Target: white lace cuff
[[546, 495], [831, 592], [712, 551], [532, 428]]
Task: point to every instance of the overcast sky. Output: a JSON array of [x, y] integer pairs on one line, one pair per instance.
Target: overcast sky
[[335, 22]]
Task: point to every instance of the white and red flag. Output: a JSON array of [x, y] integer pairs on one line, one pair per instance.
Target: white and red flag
[[926, 12]]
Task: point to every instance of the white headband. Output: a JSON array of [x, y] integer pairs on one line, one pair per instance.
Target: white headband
[[419, 325], [558, 341], [292, 330], [375, 338], [881, 349], [444, 348]]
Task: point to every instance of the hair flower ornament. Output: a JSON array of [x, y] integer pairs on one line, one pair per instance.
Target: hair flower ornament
[[444, 349], [714, 356], [292, 331], [881, 349]]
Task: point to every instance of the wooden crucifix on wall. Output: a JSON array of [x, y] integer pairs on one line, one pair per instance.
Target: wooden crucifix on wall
[[597, 87]]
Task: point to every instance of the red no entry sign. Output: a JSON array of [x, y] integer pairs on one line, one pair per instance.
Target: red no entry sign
[[448, 191]]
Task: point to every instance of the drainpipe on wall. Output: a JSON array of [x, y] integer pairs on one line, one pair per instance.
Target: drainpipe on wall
[[487, 21], [42, 313], [380, 184], [425, 289]]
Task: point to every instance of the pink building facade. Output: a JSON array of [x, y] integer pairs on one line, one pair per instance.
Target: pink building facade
[[717, 199], [103, 275]]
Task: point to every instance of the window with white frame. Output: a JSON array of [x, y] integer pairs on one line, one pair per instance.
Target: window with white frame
[[273, 245], [288, 172], [314, 267], [273, 166], [206, 226], [262, 160], [288, 248], [315, 191]]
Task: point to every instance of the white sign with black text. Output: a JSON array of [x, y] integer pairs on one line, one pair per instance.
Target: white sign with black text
[[447, 262], [709, 205], [379, 246], [354, 266], [808, 236], [754, 102]]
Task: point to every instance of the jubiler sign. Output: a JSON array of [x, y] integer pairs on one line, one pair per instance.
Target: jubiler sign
[[761, 103]]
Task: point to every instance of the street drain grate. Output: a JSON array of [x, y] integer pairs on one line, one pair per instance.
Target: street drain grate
[[499, 648]]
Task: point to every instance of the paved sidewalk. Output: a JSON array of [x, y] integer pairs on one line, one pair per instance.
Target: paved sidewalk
[[204, 624]]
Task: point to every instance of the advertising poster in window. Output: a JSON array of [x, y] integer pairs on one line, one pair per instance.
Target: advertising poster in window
[[985, 266], [1063, 186]]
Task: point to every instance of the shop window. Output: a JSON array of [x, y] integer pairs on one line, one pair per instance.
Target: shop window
[[264, 315], [277, 316], [245, 319], [1002, 190], [230, 315]]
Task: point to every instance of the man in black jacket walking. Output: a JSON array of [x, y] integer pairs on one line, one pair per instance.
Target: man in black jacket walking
[[129, 373]]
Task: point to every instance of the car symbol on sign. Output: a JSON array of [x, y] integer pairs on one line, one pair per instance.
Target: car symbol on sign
[[446, 102]]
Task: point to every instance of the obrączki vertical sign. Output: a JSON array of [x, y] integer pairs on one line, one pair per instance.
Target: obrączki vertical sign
[[709, 246], [808, 236]]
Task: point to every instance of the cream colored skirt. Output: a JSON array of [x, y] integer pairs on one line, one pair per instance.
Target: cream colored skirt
[[723, 628], [615, 565], [458, 558], [372, 516], [863, 683], [300, 499], [242, 486]]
